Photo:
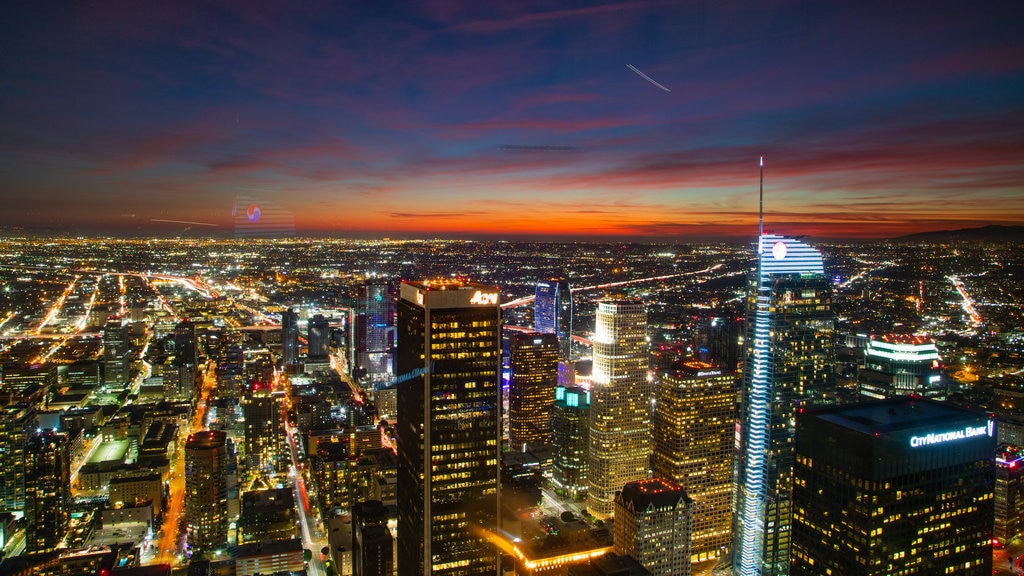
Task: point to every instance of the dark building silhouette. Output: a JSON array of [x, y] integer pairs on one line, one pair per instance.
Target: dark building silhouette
[[206, 492], [319, 339], [47, 490], [372, 545], [290, 337]]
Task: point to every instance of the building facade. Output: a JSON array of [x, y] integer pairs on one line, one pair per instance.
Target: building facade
[[533, 376], [449, 425], [694, 435], [375, 337], [789, 363], [552, 313], [1009, 493], [289, 337], [319, 339], [47, 490], [571, 438], [901, 365], [620, 423], [206, 491], [653, 521], [17, 423], [897, 486]]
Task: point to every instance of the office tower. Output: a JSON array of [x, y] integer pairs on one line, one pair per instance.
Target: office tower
[[718, 340], [449, 352], [47, 490], [552, 313], [1009, 493], [290, 337], [620, 424], [319, 339], [185, 359], [571, 439], [694, 434], [900, 365], [206, 491], [115, 353], [653, 519], [375, 325], [17, 423], [264, 435], [371, 540], [533, 376], [897, 486], [788, 363]]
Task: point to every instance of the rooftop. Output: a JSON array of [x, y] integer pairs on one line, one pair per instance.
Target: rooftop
[[895, 414]]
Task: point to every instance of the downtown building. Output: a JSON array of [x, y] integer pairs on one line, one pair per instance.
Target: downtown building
[[653, 522], [289, 338], [571, 438], [897, 486], [17, 423], [533, 377], [900, 365], [1009, 493], [206, 489], [47, 490], [789, 363], [620, 424], [375, 334], [264, 432], [449, 426], [319, 340], [552, 313], [694, 434]]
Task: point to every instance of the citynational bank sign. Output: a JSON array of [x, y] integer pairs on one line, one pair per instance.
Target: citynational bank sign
[[952, 435]]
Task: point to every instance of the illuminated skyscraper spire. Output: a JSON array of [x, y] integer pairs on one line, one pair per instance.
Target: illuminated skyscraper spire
[[789, 362]]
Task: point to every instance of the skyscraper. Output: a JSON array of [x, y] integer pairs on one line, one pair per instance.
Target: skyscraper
[[899, 365], [371, 540], [115, 352], [653, 520], [264, 435], [552, 312], [319, 339], [47, 490], [789, 362], [1009, 492], [694, 432], [186, 358], [206, 491], [17, 423], [449, 364], [897, 486], [533, 364], [375, 326], [290, 337], [620, 425], [571, 437]]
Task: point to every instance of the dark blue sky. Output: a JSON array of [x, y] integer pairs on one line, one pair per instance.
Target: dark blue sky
[[514, 119]]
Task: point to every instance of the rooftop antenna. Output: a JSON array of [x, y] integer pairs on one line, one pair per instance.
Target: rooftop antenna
[[760, 213]]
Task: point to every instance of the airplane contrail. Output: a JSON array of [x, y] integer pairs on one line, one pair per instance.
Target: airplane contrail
[[646, 77], [182, 222]]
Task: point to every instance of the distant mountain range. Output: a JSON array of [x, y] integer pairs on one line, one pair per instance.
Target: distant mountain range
[[994, 233]]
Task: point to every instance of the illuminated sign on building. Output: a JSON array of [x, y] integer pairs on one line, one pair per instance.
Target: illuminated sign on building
[[967, 432], [484, 298]]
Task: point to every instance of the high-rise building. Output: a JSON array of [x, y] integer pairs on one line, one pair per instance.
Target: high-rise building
[[694, 434], [897, 486], [290, 337], [571, 438], [47, 490], [449, 356], [552, 313], [319, 339], [718, 340], [185, 359], [533, 376], [371, 540], [653, 519], [206, 491], [17, 423], [1009, 493], [620, 423], [375, 325], [264, 434], [789, 362], [900, 365], [115, 352]]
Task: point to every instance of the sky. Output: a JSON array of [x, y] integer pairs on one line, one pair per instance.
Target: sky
[[437, 118]]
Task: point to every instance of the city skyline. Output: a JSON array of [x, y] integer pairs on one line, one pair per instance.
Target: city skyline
[[621, 120]]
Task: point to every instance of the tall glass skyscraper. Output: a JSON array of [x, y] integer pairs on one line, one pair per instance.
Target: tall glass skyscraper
[[449, 424], [290, 337], [789, 362], [552, 312], [620, 422], [533, 376], [375, 326]]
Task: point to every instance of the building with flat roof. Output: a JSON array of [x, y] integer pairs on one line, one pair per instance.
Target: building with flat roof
[[1009, 498], [571, 439], [897, 365], [206, 491], [449, 426], [897, 486], [533, 375]]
